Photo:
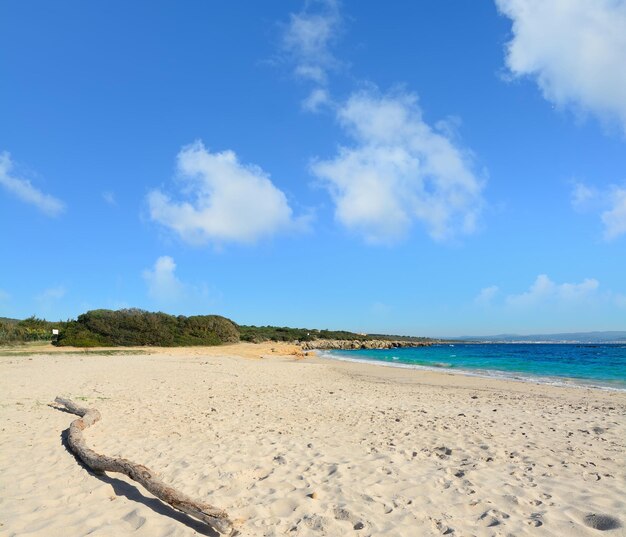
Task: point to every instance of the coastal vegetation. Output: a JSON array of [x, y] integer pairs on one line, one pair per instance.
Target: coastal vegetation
[[136, 327], [15, 331], [259, 334], [408, 339]]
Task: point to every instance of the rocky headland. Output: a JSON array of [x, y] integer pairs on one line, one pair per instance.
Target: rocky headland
[[354, 344]]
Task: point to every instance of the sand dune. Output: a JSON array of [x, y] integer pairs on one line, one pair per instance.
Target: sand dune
[[308, 447]]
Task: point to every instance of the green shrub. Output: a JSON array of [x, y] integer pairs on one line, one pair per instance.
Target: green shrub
[[134, 327], [13, 331], [258, 334]]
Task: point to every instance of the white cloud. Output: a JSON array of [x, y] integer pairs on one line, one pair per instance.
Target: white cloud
[[24, 190], [581, 195], [227, 201], [166, 289], [614, 218], [575, 49], [611, 202], [486, 295], [308, 37], [398, 171], [317, 98], [545, 290], [163, 285]]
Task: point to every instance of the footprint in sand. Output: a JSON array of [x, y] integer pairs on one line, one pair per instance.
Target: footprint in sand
[[314, 522], [341, 513], [442, 452], [441, 527], [601, 522], [492, 517]]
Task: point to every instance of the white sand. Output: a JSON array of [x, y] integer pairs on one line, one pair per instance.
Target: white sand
[[393, 452]]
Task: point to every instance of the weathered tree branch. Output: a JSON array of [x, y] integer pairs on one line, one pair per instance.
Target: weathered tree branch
[[216, 518]]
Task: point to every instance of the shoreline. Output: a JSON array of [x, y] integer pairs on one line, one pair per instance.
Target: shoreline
[[447, 379], [542, 380], [271, 348], [306, 446]]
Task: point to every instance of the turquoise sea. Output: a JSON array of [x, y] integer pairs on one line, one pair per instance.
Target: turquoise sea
[[591, 365]]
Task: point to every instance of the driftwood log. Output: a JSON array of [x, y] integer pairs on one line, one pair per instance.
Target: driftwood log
[[216, 518]]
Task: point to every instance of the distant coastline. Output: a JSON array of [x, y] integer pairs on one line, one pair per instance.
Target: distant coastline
[[598, 337]]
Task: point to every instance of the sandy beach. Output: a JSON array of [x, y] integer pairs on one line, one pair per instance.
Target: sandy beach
[[305, 446]]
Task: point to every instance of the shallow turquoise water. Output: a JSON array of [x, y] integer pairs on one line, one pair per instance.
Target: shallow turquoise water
[[599, 365]]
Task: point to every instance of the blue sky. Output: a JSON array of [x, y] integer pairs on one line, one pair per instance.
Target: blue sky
[[426, 168]]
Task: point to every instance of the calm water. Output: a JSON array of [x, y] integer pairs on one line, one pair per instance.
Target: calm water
[[598, 365]]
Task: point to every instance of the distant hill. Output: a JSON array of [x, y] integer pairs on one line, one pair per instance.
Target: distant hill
[[615, 336]]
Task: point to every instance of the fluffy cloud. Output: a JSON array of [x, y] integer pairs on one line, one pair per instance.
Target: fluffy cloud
[[226, 201], [544, 289], [307, 41], [163, 285], [308, 36], [399, 170], [167, 290], [486, 295], [610, 202], [614, 218], [546, 295], [24, 190], [582, 195], [317, 98], [575, 49]]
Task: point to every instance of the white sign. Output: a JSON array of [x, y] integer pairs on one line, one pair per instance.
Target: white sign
[[55, 332]]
